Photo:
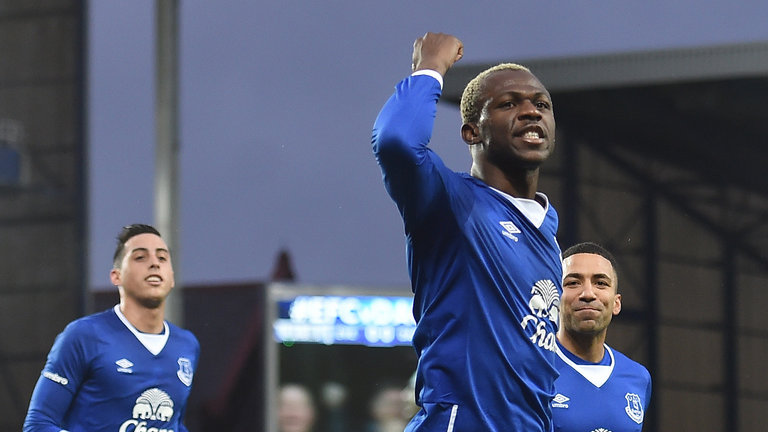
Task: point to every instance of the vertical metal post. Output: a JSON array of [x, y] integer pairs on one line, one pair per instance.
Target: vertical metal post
[[271, 360], [167, 148], [85, 304], [730, 339]]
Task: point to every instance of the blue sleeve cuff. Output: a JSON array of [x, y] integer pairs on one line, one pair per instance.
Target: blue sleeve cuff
[[433, 73]]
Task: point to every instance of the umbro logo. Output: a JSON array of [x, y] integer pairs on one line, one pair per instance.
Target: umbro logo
[[124, 365], [560, 401], [56, 378], [509, 230]]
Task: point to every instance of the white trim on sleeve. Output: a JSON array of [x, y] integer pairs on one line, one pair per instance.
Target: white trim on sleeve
[[433, 73]]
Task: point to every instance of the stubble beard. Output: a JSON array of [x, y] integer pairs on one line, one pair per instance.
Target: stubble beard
[[151, 302]]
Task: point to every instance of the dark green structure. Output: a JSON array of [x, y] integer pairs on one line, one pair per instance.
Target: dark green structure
[[42, 188]]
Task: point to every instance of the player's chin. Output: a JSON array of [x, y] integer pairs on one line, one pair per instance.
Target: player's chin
[[537, 155], [532, 159], [588, 326], [152, 302]]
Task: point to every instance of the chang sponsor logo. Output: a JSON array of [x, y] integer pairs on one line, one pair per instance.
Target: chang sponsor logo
[[545, 309], [153, 405], [140, 426]]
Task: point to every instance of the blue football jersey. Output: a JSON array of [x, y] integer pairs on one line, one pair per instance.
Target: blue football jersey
[[100, 377], [608, 397], [486, 276]]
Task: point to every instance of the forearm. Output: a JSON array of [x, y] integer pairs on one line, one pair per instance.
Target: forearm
[[33, 423], [47, 407], [400, 138], [403, 127]]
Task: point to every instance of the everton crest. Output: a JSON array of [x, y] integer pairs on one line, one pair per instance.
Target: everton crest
[[634, 407], [185, 371]]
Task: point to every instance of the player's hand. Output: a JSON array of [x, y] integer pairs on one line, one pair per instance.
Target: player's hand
[[436, 51]]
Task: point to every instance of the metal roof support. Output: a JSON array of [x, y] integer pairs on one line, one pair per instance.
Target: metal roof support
[[167, 142]]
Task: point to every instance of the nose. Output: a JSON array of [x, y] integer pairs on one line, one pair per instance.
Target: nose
[[528, 111], [588, 293]]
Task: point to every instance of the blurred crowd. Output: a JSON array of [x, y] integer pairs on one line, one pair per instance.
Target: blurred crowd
[[390, 407]]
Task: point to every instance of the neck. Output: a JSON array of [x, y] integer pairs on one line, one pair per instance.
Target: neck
[[519, 184], [585, 346], [145, 320]]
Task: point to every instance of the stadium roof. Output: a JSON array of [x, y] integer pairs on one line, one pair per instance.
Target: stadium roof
[[701, 109]]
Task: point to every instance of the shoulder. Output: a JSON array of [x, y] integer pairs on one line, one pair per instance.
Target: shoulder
[[91, 324], [626, 363], [82, 337], [183, 334]]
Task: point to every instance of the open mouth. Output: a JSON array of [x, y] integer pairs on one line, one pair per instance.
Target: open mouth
[[532, 133]]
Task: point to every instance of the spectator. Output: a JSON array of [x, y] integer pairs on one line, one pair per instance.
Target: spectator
[[296, 409], [386, 410]]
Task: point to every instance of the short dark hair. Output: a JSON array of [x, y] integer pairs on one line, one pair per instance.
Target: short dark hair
[[125, 234], [596, 249]]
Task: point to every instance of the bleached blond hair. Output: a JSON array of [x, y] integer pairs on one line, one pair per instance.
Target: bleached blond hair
[[471, 104]]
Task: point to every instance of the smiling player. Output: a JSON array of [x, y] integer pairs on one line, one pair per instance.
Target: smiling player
[[599, 389], [124, 369]]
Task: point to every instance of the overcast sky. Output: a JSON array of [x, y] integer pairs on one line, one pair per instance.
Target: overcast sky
[[277, 101]]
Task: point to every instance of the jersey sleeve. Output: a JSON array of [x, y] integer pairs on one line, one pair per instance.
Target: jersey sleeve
[[648, 390], [400, 137], [61, 377], [47, 407], [196, 344]]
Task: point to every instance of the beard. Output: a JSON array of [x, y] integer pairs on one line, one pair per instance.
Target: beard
[[151, 302]]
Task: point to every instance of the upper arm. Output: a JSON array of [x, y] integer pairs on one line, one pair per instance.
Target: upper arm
[[62, 375], [401, 134], [649, 390]]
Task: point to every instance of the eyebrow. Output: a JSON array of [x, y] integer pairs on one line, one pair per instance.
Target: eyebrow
[[534, 93], [143, 249], [581, 276]]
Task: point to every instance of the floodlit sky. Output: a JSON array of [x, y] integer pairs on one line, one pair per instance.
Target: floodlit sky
[[277, 101]]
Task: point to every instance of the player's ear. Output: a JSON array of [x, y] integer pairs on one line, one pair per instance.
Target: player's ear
[[470, 133], [115, 277], [617, 304]]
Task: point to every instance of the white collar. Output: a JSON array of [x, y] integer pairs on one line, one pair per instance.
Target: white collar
[[596, 374], [530, 208], [154, 343]]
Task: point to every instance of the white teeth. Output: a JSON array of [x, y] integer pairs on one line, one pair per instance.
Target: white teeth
[[153, 279], [531, 134]]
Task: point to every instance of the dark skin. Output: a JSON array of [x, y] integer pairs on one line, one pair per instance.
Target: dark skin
[[516, 130]]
